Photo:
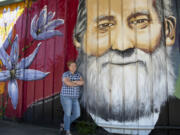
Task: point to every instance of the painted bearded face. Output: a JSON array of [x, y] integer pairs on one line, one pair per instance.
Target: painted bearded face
[[126, 60]]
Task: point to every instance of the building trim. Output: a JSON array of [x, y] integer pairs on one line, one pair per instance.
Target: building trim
[[8, 2]]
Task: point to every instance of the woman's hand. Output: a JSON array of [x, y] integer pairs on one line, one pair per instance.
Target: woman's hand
[[80, 82]]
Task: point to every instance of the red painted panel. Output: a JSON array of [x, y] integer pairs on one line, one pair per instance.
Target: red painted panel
[[52, 55]]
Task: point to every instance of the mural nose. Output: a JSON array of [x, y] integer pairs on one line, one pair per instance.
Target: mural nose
[[124, 53], [122, 40]]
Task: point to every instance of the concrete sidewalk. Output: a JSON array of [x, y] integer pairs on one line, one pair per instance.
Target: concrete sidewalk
[[14, 128]]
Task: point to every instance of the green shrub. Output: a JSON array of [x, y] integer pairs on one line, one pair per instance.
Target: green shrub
[[86, 128]]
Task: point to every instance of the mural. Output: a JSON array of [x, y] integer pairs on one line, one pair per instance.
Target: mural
[[41, 29], [126, 55], [7, 21], [16, 56], [127, 52], [8, 17]]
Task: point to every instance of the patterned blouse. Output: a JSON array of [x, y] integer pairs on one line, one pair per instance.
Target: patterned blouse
[[71, 91]]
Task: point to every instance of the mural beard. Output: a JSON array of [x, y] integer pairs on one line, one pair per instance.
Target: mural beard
[[127, 92]]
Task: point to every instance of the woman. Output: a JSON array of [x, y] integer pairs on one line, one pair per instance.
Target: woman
[[69, 95]]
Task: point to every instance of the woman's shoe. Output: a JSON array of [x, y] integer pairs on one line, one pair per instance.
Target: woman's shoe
[[61, 129], [68, 133]]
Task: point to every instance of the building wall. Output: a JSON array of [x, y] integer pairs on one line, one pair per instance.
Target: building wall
[[128, 57]]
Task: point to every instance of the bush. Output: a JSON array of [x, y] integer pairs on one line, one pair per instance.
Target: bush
[[86, 128]]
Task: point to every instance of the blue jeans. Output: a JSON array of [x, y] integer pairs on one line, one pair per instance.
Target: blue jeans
[[71, 109]]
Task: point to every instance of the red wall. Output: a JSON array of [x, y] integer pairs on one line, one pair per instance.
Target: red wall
[[52, 55]]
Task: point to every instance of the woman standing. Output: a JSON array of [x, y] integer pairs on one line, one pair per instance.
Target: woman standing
[[69, 95]]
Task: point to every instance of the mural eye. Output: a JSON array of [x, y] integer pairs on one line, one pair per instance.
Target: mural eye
[[139, 22], [104, 27]]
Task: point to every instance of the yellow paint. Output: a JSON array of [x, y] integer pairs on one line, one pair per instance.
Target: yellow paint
[[28, 3], [2, 84], [4, 31]]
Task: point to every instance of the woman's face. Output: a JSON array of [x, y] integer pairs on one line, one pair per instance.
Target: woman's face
[[72, 67]]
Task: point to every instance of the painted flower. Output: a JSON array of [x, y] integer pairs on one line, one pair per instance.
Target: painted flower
[[18, 70], [43, 27], [8, 16], [7, 41]]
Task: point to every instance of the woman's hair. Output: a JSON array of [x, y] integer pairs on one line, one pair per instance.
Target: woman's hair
[[70, 62]]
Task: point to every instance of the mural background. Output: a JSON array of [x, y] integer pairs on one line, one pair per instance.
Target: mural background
[[39, 100]]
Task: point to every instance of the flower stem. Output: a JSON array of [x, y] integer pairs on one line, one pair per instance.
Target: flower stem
[[28, 46]]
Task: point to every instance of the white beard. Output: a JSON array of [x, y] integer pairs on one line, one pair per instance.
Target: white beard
[[126, 93]]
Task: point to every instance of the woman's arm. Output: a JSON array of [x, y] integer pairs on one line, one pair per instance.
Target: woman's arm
[[69, 83], [80, 82]]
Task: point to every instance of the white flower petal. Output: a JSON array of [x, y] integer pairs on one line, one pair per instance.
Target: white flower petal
[[13, 92], [14, 55], [30, 74], [26, 62], [5, 59], [4, 75]]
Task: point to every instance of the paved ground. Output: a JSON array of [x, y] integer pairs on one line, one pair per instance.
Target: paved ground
[[14, 128]]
